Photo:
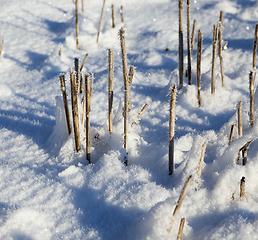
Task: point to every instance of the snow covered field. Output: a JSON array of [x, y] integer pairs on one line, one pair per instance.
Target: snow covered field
[[48, 191]]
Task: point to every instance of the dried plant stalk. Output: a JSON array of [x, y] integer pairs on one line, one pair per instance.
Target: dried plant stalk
[[77, 24], [172, 129], [76, 68], [88, 102], [181, 47], [75, 112], [232, 131], [255, 46], [181, 227], [189, 70], [193, 36], [201, 159], [220, 56], [199, 58], [122, 13], [83, 5], [110, 88], [242, 187], [113, 16], [84, 61], [140, 114], [126, 89], [214, 52], [221, 17], [131, 73], [180, 201], [251, 88], [240, 127], [62, 81], [100, 21]]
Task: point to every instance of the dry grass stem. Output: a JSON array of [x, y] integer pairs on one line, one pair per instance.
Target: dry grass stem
[[221, 17], [131, 73], [122, 14], [220, 56], [181, 47], [62, 81], [232, 131], [201, 159], [181, 227], [126, 91], [100, 21], [84, 61], [77, 24], [180, 201], [240, 127], [189, 70], [172, 129], [255, 46], [242, 187], [193, 36], [214, 52], [251, 88], [113, 16], [88, 102], [110, 88], [140, 114], [199, 58], [75, 112], [83, 5]]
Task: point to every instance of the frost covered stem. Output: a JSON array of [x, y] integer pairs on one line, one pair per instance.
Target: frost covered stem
[[242, 187], [251, 88], [180, 201], [62, 81], [220, 56], [180, 47], [214, 52], [181, 227], [76, 67], [113, 16], [201, 159], [255, 46], [240, 127], [77, 24], [75, 112], [110, 88], [131, 73], [189, 70], [84, 61], [100, 21], [83, 5], [122, 14], [193, 36], [140, 114], [88, 101], [126, 89], [172, 129], [232, 131], [199, 58], [221, 17]]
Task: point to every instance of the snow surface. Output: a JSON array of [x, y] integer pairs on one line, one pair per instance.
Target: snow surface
[[48, 191]]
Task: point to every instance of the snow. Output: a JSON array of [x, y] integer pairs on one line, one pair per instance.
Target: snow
[[49, 191]]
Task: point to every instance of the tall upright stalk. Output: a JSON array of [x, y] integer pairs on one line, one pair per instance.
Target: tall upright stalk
[[189, 70], [199, 58], [172, 129], [110, 88], [126, 89], [181, 47]]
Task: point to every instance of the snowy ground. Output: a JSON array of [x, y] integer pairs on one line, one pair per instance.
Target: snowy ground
[[48, 191]]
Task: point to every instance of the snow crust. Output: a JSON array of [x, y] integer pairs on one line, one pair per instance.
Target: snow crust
[[49, 191]]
